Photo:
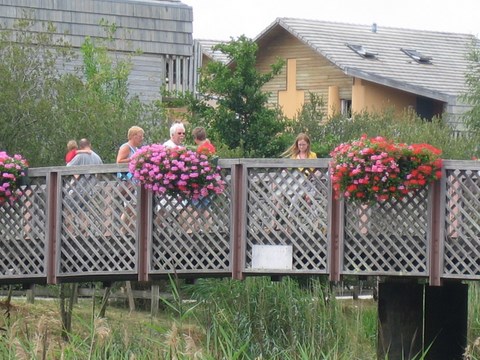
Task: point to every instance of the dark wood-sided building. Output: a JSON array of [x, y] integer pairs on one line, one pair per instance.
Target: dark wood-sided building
[[159, 30]]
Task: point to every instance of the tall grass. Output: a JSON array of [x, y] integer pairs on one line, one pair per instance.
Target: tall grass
[[280, 320], [254, 319]]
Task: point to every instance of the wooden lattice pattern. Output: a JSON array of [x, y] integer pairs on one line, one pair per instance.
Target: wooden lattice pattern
[[191, 236], [89, 225], [289, 207], [387, 238], [22, 230], [98, 224], [462, 223]]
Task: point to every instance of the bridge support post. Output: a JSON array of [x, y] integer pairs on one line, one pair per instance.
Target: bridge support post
[[416, 319], [30, 293], [400, 320], [446, 316]]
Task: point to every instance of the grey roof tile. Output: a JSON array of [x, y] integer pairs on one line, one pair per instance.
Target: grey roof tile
[[207, 45]]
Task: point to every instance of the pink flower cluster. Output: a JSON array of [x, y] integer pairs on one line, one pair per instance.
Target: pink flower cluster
[[376, 169], [11, 169], [170, 171]]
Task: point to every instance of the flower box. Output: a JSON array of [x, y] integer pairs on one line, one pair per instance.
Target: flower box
[[369, 170], [176, 172]]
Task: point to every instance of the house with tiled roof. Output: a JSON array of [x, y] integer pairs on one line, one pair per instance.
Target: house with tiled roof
[[357, 68]]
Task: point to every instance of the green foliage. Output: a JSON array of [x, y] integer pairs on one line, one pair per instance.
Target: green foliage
[[472, 96], [28, 78], [251, 319], [241, 118], [278, 320], [408, 129], [99, 108], [41, 109]]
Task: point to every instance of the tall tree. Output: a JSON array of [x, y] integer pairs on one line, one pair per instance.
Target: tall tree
[[28, 78], [42, 106], [241, 117], [100, 106], [472, 96]]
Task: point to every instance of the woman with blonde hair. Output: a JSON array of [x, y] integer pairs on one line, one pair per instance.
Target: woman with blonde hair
[[300, 149]]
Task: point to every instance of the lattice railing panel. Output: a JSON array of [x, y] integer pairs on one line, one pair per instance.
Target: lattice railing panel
[[387, 238], [289, 207], [191, 236], [462, 223], [22, 232], [98, 225]]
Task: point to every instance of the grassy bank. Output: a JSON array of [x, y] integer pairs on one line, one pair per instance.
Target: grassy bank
[[251, 319]]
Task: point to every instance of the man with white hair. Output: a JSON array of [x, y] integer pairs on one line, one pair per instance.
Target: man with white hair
[[177, 136]]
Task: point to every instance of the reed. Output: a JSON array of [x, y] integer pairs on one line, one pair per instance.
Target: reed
[[253, 319]]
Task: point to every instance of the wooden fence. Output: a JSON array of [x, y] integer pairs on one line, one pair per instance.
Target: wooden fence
[[84, 223]]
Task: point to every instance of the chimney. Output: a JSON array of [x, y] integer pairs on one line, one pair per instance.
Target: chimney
[[374, 27]]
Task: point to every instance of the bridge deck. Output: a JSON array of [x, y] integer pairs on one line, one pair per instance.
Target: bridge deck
[[272, 219]]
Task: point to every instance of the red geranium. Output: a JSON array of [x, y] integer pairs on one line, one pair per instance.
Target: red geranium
[[376, 169]]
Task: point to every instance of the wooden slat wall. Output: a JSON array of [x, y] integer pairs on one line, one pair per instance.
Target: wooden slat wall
[[156, 29], [314, 73]]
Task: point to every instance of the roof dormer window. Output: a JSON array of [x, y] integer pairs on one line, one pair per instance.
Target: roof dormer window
[[362, 51], [417, 56]]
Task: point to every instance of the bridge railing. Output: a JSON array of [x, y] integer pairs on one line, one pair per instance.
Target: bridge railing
[[276, 216]]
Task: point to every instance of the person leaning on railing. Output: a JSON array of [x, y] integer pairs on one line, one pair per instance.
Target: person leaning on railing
[[301, 150], [84, 184], [135, 137]]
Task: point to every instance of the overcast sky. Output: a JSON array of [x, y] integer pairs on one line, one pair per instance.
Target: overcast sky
[[222, 19]]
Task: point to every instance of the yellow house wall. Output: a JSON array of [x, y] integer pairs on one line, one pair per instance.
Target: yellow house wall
[[313, 72], [371, 97], [310, 72]]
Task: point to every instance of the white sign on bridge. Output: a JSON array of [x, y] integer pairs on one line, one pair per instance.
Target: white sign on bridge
[[272, 257]]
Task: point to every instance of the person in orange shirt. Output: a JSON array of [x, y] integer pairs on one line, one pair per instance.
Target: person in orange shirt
[[202, 205], [204, 146]]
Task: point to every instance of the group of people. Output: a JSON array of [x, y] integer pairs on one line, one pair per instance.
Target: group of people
[[82, 153], [177, 137]]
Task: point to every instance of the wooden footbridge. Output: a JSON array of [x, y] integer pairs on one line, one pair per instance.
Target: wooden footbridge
[[76, 224]]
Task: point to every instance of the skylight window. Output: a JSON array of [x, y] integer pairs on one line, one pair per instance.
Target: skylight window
[[362, 51], [417, 56]]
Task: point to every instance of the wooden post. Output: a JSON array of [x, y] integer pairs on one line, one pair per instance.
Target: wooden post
[[446, 316], [131, 300], [155, 301], [400, 320], [30, 293], [238, 222]]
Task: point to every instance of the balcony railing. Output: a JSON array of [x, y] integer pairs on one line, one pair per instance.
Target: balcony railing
[[84, 223]]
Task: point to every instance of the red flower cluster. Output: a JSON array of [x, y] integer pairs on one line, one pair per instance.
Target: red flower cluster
[[376, 169]]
